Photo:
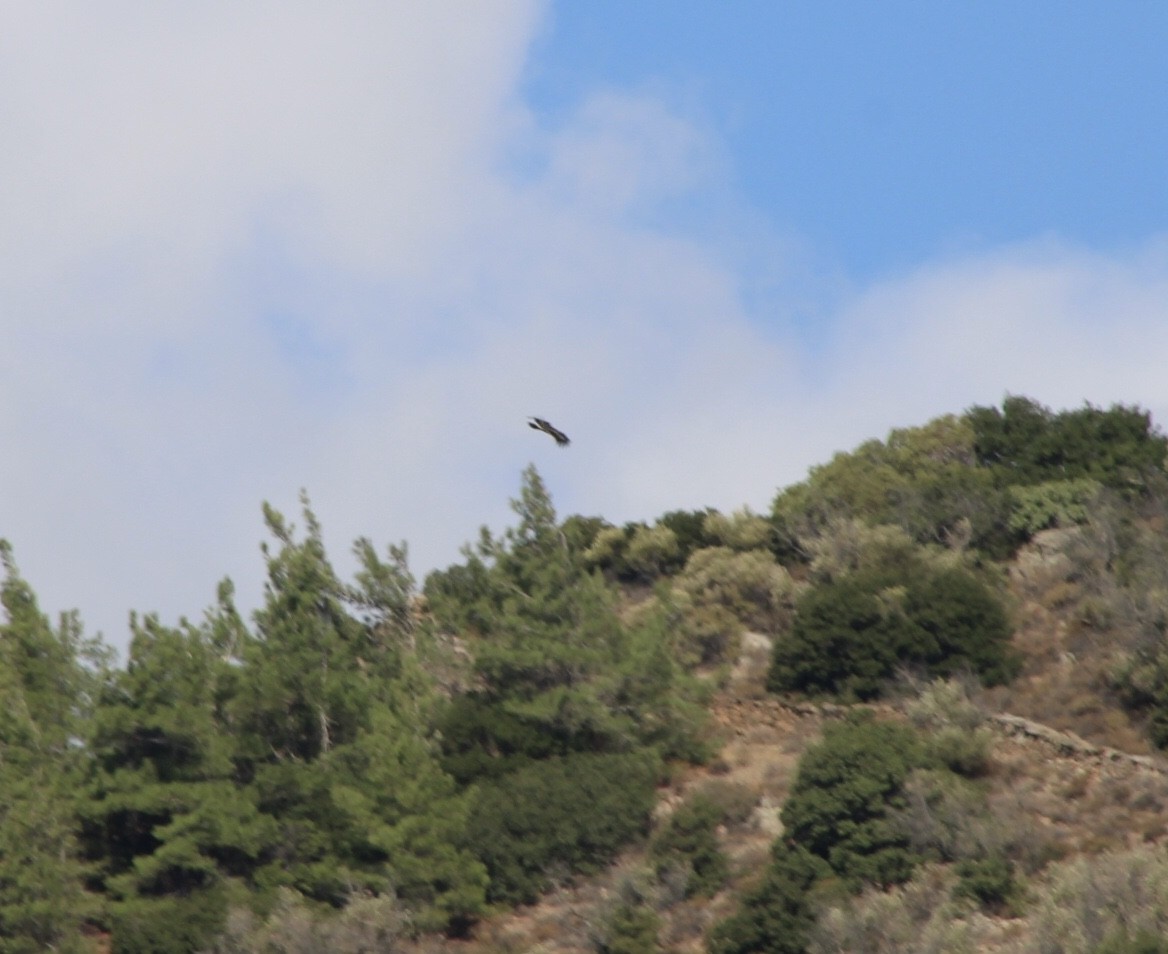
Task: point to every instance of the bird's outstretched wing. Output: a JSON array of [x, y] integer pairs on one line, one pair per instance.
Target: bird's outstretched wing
[[541, 425]]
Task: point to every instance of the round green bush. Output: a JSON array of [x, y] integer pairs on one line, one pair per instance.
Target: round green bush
[[850, 636]]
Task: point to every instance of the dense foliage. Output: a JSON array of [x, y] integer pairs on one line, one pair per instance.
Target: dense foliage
[[230, 762], [560, 735], [555, 668], [638, 552], [850, 636], [841, 804], [46, 690], [341, 746], [1026, 443], [776, 915], [950, 480], [360, 761], [925, 480], [687, 845], [559, 816]]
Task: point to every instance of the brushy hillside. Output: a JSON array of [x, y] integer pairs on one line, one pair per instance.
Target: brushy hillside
[[918, 706]]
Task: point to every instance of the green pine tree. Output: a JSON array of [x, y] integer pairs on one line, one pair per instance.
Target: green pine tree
[[45, 690], [557, 669], [334, 712], [305, 689], [166, 818]]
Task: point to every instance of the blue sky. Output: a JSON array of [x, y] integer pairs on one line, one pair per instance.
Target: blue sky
[[247, 249], [886, 134]]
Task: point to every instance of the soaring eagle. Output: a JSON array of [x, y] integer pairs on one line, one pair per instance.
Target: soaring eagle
[[541, 425]]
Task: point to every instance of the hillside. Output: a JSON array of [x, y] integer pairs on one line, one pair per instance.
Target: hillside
[[1065, 799], [918, 706]]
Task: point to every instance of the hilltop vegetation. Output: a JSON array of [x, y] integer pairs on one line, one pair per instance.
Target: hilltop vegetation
[[370, 764]]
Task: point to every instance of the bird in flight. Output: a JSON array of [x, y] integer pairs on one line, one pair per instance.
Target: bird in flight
[[541, 425]]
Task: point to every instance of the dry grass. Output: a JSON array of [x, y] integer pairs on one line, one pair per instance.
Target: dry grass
[[915, 918], [1067, 662], [1078, 804], [1087, 900]]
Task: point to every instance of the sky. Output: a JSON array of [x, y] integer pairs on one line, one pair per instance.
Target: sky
[[252, 248]]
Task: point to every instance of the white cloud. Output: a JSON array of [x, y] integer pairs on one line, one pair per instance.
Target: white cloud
[[1041, 318], [244, 251], [171, 179]]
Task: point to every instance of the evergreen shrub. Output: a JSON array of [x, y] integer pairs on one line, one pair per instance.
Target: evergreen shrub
[[688, 843], [568, 815], [776, 915], [846, 792], [850, 636]]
